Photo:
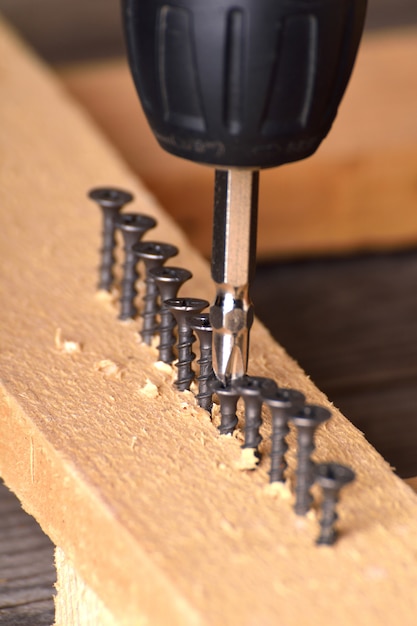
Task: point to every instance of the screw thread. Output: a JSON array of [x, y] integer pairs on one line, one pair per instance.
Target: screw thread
[[305, 472], [279, 449], [185, 357], [107, 255], [205, 396], [228, 419], [328, 519], [166, 335], [253, 422], [150, 311], [129, 291]]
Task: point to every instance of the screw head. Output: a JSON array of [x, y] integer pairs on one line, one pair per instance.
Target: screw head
[[280, 398], [154, 250], [170, 274], [186, 305], [110, 197], [222, 390], [310, 415], [249, 386], [333, 476], [201, 323], [134, 222]]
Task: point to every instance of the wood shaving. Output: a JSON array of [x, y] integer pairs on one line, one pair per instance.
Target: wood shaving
[[248, 460], [149, 389], [109, 369], [163, 367], [66, 345]]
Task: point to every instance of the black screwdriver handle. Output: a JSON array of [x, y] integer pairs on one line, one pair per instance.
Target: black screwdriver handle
[[244, 83]]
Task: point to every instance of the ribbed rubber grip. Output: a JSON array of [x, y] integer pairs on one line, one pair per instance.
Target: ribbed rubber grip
[[247, 83]]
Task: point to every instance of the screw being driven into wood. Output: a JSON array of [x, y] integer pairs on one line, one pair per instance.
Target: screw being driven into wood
[[132, 226], [154, 254], [283, 403], [306, 421], [228, 398], [111, 201], [251, 388], [200, 324], [168, 280], [331, 477], [183, 309]]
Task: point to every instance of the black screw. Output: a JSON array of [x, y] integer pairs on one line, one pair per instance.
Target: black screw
[[251, 389], [228, 398], [132, 226], [183, 309], [200, 324], [168, 280], [331, 477], [111, 201], [154, 254], [306, 420], [283, 403]]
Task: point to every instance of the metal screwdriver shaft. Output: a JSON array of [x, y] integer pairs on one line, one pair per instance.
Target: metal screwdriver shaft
[[232, 268]]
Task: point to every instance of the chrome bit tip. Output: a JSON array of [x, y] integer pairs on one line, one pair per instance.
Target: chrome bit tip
[[231, 317]]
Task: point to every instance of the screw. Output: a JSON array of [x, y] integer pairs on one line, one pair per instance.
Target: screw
[[306, 420], [111, 201], [153, 254], [132, 226], [183, 309], [168, 280], [331, 477], [251, 389], [200, 324], [228, 397], [283, 403]]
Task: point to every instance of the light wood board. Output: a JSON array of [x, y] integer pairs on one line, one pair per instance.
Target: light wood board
[[129, 477]]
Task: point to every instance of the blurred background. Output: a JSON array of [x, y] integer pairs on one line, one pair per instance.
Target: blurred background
[[337, 271]]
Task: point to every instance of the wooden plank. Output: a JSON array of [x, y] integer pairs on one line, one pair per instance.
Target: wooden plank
[[137, 488], [357, 192]]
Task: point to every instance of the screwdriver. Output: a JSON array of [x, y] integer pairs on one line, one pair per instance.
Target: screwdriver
[[240, 85]]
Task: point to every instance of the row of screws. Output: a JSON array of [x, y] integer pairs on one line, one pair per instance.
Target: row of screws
[[161, 302], [162, 284], [287, 406]]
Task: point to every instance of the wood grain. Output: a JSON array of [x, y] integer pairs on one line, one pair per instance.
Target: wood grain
[[138, 488]]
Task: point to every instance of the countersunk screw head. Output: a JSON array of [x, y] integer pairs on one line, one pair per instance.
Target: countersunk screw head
[[154, 250], [281, 398], [136, 223], [310, 416], [110, 197]]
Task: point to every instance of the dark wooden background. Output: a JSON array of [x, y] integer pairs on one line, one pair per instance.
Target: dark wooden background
[[351, 322]]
